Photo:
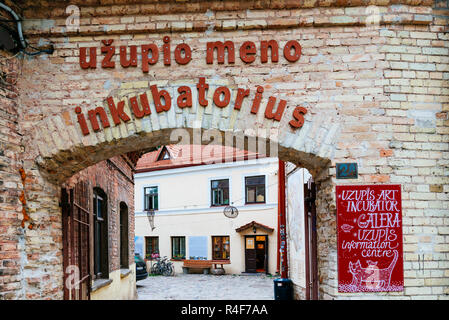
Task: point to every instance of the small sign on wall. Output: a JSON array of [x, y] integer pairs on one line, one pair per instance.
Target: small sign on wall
[[369, 238], [347, 170]]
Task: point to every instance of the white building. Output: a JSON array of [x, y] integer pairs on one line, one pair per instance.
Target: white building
[[189, 195], [300, 234]]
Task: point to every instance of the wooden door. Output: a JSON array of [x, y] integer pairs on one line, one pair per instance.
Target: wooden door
[[76, 239], [250, 254], [261, 253]]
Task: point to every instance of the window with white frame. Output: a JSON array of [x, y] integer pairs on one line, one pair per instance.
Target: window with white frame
[[255, 189], [220, 192], [151, 198]]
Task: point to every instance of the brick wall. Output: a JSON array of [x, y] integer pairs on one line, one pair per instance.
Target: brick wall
[[417, 84], [376, 94], [10, 181], [115, 177]]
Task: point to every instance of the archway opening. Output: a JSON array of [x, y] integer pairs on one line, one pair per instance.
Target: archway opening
[[316, 165]]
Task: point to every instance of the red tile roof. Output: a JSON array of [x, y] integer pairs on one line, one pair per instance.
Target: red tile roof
[[192, 155], [254, 224]]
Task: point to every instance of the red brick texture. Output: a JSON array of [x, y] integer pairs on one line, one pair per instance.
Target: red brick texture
[[115, 177], [11, 235]]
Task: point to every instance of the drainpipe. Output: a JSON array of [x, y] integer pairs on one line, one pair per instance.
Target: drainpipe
[[19, 23], [282, 223], [23, 43]]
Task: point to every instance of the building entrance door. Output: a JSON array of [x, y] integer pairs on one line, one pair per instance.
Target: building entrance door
[[256, 253]]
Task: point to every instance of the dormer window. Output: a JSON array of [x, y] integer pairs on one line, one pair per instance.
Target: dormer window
[[164, 155]]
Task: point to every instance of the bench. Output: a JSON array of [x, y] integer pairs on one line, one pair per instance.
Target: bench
[[197, 264], [205, 265], [220, 262], [219, 270]]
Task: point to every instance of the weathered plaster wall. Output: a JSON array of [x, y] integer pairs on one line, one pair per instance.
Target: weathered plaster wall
[[296, 177], [121, 288]]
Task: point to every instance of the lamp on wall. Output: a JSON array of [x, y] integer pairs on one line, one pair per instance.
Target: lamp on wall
[[150, 216], [254, 229]]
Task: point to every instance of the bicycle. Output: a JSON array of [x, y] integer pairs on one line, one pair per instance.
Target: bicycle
[[163, 266]]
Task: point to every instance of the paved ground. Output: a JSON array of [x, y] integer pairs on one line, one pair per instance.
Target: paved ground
[[206, 287]]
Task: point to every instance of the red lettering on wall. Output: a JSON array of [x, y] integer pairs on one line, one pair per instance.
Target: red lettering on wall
[[247, 52], [298, 115], [132, 61], [146, 60], [118, 113], [110, 51], [93, 118], [292, 57], [82, 121], [241, 94], [145, 104], [135, 106], [273, 45], [257, 99], [166, 51], [269, 114], [92, 63], [183, 53], [202, 87], [185, 98], [226, 97], [183, 48], [157, 95], [220, 46], [162, 102]]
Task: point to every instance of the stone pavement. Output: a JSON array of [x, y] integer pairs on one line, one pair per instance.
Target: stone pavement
[[206, 287]]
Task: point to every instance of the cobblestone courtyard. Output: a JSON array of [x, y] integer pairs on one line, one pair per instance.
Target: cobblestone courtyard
[[206, 287]]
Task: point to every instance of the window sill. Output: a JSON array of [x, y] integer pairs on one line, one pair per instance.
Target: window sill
[[124, 273], [172, 259], [218, 261], [100, 283]]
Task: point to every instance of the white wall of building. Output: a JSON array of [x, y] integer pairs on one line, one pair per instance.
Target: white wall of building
[[295, 224], [185, 207]]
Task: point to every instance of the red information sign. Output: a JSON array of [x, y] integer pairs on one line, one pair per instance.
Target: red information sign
[[369, 237]]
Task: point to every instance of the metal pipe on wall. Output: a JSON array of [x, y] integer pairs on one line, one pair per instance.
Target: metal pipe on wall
[[282, 223]]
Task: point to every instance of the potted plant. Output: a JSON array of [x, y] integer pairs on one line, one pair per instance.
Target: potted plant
[[178, 257], [154, 255]]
